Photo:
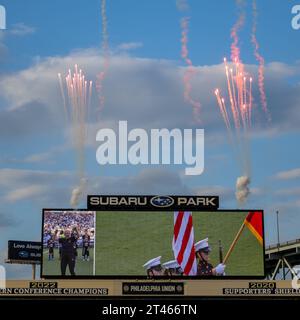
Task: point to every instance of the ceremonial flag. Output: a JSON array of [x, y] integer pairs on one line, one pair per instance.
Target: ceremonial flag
[[254, 222], [183, 242]]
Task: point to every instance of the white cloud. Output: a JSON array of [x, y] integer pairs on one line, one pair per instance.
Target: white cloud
[[11, 178], [126, 46], [5, 219], [21, 29], [49, 156], [54, 189], [18, 29], [146, 92], [257, 192], [43, 187], [182, 5], [30, 159], [215, 191], [25, 193], [288, 175], [38, 157], [288, 192], [20, 123], [147, 181], [228, 197]]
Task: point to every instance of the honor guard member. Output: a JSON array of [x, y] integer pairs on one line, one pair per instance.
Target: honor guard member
[[172, 268], [204, 268], [67, 253], [75, 234], [154, 267], [51, 245], [85, 246]]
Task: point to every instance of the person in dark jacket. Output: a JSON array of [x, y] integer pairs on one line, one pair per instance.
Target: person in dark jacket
[[75, 234], [51, 245], [85, 246], [67, 242], [60, 236]]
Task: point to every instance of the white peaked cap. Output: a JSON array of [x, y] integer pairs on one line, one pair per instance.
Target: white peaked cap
[[202, 244], [152, 263], [173, 264]]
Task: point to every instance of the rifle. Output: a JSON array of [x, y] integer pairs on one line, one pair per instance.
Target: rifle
[[220, 252]]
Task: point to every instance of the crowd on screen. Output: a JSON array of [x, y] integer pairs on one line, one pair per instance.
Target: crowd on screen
[[77, 222]]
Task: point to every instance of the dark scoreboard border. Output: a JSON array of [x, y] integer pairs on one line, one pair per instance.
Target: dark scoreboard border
[[146, 278]]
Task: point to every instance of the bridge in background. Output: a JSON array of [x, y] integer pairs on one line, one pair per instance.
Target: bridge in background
[[281, 259]]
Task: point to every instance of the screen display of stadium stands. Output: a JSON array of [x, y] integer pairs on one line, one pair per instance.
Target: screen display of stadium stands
[[112, 244]]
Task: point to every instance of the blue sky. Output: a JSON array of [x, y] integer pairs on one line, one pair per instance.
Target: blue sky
[[67, 25], [143, 86]]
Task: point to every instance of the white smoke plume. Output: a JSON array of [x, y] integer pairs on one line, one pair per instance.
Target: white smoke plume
[[77, 193], [242, 189]]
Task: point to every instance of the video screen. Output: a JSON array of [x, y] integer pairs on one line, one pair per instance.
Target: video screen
[[68, 243], [136, 244]]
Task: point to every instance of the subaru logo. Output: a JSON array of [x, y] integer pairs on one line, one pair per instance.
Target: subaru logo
[[23, 254], [162, 201]]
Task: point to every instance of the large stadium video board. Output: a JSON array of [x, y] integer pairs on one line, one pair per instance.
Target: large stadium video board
[[152, 244]]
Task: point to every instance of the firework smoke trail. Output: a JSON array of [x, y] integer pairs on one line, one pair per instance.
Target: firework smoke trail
[[239, 88], [105, 49], [235, 50], [242, 188], [63, 95], [234, 99], [223, 110], [250, 101], [261, 62], [231, 98], [77, 192], [239, 93], [79, 94], [79, 91], [191, 70], [239, 96]]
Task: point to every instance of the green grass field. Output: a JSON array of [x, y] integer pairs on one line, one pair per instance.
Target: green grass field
[[84, 268], [126, 240]]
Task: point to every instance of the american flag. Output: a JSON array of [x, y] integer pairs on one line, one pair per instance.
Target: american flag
[[183, 242]]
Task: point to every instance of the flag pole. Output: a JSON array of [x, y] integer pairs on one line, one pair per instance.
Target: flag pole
[[234, 242]]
